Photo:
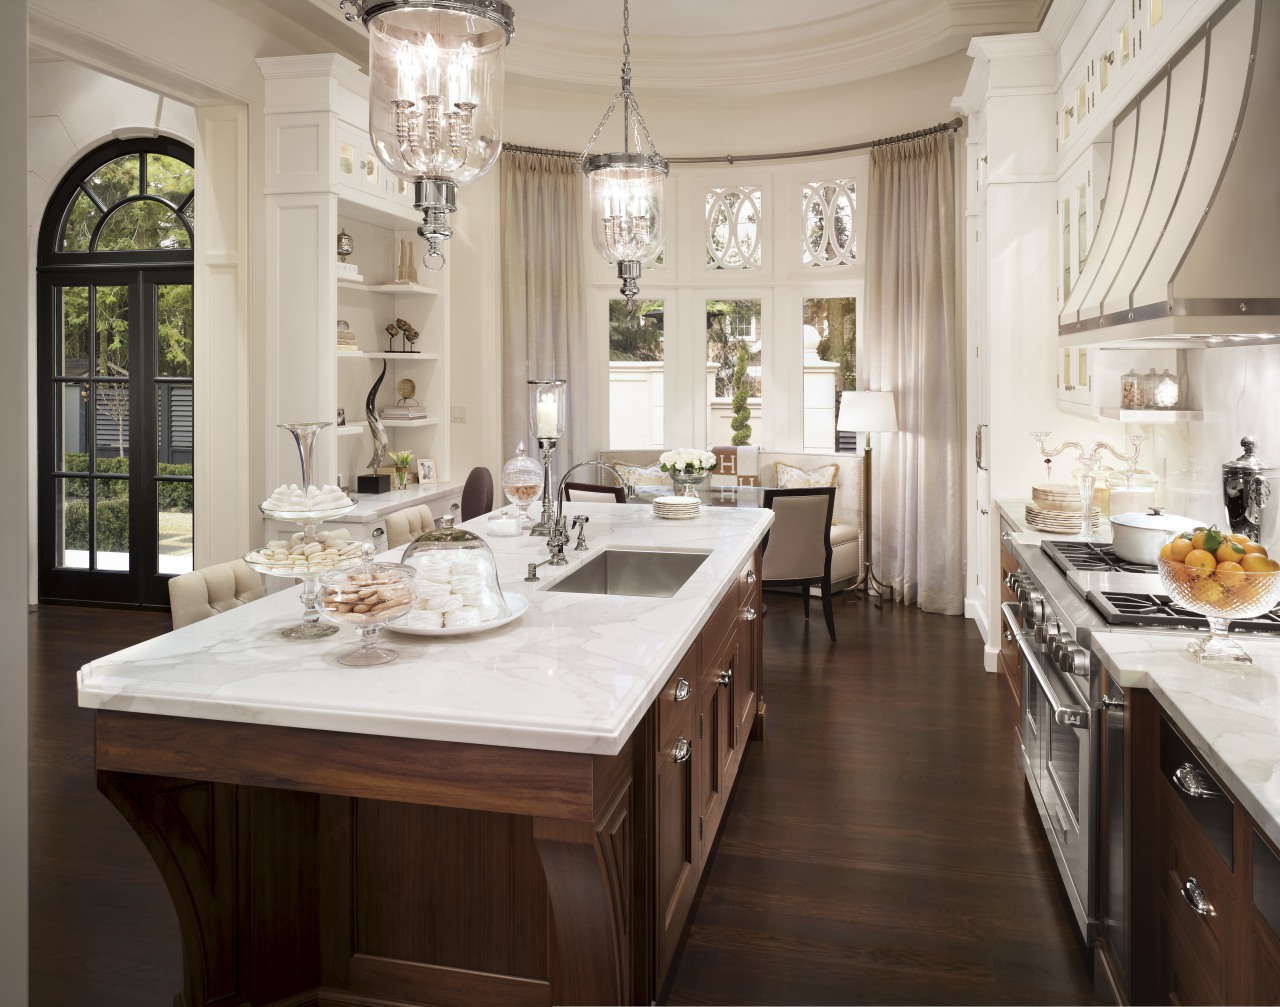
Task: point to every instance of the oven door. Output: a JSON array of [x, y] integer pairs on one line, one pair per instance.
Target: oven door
[[1058, 758]]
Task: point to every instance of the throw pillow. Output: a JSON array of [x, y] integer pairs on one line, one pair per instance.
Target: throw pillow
[[649, 480], [789, 477]]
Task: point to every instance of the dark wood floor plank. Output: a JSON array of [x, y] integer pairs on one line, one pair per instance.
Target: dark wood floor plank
[[879, 847]]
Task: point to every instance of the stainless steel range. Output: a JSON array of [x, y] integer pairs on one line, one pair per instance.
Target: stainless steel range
[[1067, 591]]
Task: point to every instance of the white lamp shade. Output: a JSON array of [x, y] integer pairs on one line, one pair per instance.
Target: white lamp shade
[[872, 412]]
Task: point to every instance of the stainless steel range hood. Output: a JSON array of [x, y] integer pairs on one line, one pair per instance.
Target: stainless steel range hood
[[1188, 241]]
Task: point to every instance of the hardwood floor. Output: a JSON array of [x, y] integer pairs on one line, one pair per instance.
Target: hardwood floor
[[879, 849]]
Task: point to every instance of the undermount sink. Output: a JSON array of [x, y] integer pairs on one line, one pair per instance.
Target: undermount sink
[[645, 573]]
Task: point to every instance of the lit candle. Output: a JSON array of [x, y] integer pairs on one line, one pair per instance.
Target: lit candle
[[547, 418]]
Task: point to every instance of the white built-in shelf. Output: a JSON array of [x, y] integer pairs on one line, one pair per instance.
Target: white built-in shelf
[[1151, 415], [388, 288], [410, 423], [350, 429], [383, 355]]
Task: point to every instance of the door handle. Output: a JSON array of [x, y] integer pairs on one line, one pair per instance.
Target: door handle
[[979, 443]]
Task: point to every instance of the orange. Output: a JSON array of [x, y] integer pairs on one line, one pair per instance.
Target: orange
[[1197, 540], [1230, 574], [1179, 548], [1229, 552], [1207, 591], [1239, 539], [1255, 547], [1166, 553], [1256, 563], [1200, 562]]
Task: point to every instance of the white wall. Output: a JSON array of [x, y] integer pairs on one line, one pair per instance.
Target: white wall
[[13, 504]]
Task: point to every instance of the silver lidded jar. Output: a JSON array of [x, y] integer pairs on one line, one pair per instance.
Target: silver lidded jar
[[1247, 483]]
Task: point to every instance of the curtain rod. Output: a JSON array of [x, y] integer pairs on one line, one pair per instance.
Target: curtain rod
[[942, 127]]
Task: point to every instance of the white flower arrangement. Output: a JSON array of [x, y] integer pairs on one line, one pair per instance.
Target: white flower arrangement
[[689, 460]]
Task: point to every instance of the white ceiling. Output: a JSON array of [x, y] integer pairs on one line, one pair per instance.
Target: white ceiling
[[723, 46]]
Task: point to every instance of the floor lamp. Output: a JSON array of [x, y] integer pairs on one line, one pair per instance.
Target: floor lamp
[[867, 412]]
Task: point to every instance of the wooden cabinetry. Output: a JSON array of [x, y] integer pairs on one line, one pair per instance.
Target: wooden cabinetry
[[321, 177], [1208, 882]]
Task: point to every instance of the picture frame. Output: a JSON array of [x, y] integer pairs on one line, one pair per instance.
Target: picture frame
[[426, 470], [342, 417]]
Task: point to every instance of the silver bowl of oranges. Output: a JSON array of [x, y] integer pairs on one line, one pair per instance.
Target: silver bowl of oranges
[[1222, 577]]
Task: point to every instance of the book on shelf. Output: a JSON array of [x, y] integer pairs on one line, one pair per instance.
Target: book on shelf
[[403, 413]]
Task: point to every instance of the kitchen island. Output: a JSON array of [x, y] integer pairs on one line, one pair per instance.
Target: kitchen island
[[515, 816]]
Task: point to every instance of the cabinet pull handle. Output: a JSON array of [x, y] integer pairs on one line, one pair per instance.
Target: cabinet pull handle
[[1193, 783], [682, 751], [1194, 894], [751, 577], [749, 614], [979, 448], [683, 690], [725, 677]]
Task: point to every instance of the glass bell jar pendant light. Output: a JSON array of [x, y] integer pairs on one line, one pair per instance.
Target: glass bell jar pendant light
[[435, 97], [627, 186]]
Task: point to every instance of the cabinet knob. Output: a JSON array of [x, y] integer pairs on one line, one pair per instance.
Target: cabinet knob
[[751, 577], [682, 751], [1193, 783], [1194, 894], [749, 614], [683, 690], [725, 677]]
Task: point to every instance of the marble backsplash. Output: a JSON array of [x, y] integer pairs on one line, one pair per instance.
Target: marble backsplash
[[1238, 389]]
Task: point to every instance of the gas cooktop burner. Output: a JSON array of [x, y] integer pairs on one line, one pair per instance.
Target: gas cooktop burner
[[1129, 608], [1071, 556]]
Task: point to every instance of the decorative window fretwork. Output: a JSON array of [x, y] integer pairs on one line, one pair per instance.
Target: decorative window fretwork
[[733, 227], [828, 215]]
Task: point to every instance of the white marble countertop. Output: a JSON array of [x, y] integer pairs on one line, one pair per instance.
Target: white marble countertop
[[575, 673], [371, 507], [1231, 714]]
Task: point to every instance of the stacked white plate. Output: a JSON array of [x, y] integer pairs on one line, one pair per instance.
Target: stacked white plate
[[1056, 496], [1062, 521], [676, 507]]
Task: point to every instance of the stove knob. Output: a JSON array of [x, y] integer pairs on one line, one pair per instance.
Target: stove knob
[[1074, 660], [1046, 631], [1056, 644], [1032, 608]]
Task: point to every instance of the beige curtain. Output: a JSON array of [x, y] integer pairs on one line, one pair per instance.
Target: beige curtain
[[911, 350], [544, 320]]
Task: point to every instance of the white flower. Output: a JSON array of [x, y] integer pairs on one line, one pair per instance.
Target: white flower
[[687, 460]]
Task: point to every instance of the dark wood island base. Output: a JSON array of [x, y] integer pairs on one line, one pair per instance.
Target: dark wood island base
[[322, 868]]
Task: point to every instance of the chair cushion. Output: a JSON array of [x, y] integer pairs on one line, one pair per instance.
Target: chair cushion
[[789, 477], [202, 593]]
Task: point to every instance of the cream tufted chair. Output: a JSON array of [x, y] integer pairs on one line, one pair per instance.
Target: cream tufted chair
[[797, 548], [202, 593], [405, 525]]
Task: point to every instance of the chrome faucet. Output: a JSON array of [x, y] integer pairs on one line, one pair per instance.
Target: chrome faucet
[[558, 536]]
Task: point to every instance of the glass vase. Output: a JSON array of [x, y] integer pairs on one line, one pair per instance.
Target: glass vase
[[688, 482]]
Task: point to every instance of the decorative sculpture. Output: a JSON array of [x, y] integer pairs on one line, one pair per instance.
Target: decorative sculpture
[[375, 425], [406, 271], [409, 332]]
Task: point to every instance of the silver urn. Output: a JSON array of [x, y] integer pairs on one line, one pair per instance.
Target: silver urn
[[1246, 490]]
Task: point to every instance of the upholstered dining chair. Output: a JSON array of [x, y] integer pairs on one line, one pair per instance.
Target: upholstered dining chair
[[797, 548], [594, 493], [477, 493], [212, 589], [405, 525]]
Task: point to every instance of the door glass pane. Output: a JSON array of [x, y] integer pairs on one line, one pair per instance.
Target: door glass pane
[[829, 330], [115, 180], [169, 178], [72, 341], [1063, 765], [734, 341], [111, 521], [71, 516], [636, 374], [176, 330], [111, 319], [146, 223], [189, 211], [72, 447], [78, 225], [175, 527], [111, 424]]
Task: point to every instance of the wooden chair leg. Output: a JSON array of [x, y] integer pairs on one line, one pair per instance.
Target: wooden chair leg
[[804, 598], [826, 608]]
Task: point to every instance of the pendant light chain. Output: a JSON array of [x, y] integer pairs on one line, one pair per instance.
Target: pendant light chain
[[631, 116]]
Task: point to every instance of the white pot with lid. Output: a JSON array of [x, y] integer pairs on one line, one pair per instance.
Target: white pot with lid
[[1138, 538]]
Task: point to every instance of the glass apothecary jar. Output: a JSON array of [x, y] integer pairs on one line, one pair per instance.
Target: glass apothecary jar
[[1165, 391], [522, 483], [1132, 491], [1131, 394]]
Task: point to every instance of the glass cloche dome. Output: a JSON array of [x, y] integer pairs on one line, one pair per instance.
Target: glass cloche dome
[[455, 576]]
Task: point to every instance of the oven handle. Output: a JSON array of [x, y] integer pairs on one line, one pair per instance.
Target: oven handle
[[1063, 714]]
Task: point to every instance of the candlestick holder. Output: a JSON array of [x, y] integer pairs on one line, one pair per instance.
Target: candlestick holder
[[1090, 460], [547, 398]]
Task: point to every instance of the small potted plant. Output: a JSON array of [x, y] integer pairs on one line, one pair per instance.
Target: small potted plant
[[401, 460]]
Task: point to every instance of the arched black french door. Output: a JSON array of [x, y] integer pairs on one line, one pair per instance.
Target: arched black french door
[[114, 376]]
